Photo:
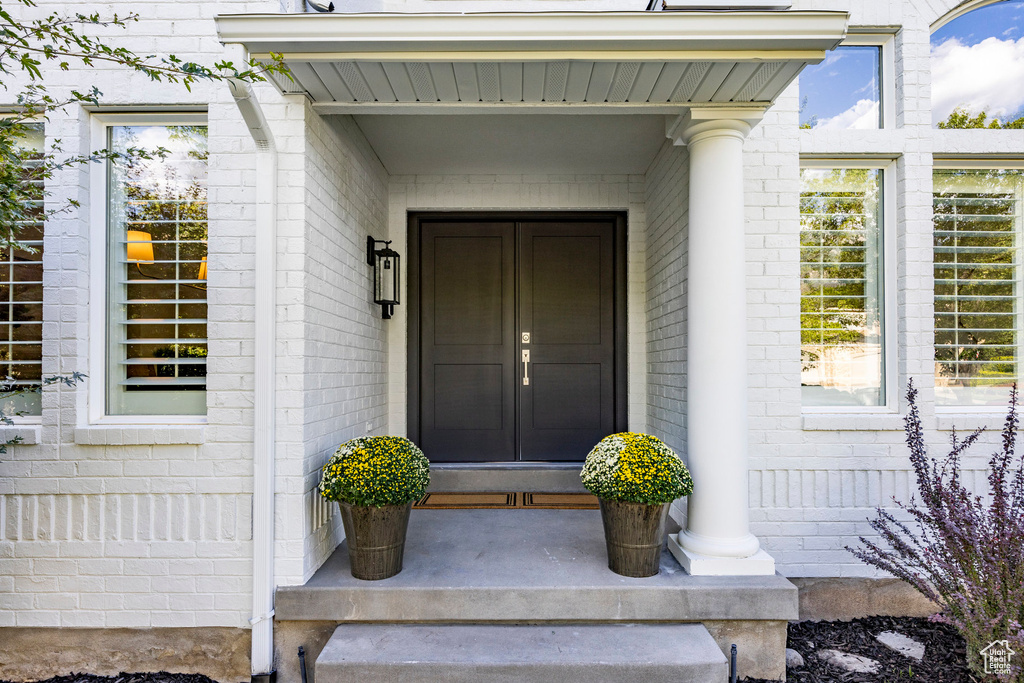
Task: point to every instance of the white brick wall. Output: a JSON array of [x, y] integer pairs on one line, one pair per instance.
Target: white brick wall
[[142, 525], [149, 525], [343, 344], [666, 198]]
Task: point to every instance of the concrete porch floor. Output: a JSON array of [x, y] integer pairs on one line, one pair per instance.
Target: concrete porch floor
[[525, 565], [537, 566]]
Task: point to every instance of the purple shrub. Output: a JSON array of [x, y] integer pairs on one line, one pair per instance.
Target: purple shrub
[[962, 552]]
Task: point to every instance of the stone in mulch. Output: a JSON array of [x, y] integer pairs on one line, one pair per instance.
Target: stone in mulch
[[944, 657], [849, 662], [906, 646], [155, 677], [794, 660]]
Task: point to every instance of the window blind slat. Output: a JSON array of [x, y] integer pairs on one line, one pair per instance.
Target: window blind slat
[[166, 321], [165, 361], [164, 381], [156, 340]]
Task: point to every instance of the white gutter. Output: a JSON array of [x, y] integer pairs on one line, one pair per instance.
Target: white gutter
[[758, 35], [263, 441]]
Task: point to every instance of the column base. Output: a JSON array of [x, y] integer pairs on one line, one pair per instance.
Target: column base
[[758, 564]]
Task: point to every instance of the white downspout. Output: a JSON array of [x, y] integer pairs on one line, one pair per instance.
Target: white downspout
[[263, 440]]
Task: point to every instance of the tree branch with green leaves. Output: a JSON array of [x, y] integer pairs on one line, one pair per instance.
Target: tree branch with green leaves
[[960, 118]]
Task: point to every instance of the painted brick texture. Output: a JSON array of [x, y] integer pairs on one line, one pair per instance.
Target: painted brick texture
[[138, 525], [149, 525], [344, 355], [666, 200]]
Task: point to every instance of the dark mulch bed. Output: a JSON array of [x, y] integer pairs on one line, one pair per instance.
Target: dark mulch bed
[[158, 677], [945, 655]]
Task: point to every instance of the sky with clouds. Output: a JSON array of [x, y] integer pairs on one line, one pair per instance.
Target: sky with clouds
[[977, 63], [842, 91]]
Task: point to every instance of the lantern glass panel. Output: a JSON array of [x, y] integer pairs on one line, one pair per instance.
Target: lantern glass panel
[[386, 286]]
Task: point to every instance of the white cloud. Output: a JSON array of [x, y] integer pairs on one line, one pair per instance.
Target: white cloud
[[985, 77], [871, 86], [832, 57], [862, 116]]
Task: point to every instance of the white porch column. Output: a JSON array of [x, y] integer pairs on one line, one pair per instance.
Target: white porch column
[[717, 538]]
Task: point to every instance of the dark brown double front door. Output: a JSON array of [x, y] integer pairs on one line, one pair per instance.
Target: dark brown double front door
[[516, 335]]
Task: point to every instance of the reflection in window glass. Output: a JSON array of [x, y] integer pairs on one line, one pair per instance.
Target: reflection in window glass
[[21, 286], [841, 287], [843, 91], [978, 68], [157, 281], [978, 285]]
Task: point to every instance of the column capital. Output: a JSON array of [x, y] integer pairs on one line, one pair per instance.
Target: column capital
[[737, 121]]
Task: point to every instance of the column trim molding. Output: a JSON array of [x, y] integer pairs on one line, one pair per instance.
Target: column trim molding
[[698, 123]]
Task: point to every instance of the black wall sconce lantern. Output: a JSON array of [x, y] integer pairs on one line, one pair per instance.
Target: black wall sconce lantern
[[385, 275]]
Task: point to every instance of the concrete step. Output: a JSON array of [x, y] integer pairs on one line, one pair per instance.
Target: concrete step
[[464, 653]]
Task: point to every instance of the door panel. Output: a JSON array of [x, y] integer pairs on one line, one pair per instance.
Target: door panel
[[567, 297], [468, 290], [468, 397], [548, 386], [467, 348], [478, 284], [566, 285]]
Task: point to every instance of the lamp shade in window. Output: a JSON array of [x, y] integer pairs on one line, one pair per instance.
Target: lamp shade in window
[[140, 247]]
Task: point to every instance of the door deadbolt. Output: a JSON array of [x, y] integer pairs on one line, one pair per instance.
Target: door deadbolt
[[526, 337]]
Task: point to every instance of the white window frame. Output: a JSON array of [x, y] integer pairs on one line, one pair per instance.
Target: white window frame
[[887, 69], [98, 236], [890, 348], [955, 163]]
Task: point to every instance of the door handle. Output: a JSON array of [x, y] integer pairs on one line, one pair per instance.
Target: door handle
[[526, 368]]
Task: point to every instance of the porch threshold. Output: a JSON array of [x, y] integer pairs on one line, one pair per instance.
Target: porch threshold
[[525, 566], [539, 477]]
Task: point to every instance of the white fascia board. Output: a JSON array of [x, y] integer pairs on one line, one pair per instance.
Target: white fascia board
[[727, 34], [683, 5]]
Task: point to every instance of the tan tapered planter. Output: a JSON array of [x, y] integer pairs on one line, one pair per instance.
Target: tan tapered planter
[[634, 533], [376, 538]]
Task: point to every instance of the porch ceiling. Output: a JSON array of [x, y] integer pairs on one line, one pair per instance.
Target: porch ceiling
[[583, 61]]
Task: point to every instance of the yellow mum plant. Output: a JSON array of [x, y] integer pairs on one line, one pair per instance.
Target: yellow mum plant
[[636, 468], [377, 471]]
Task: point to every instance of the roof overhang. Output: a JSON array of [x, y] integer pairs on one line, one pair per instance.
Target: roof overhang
[[597, 61]]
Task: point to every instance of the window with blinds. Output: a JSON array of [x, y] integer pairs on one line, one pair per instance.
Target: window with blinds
[[978, 216], [841, 286], [21, 286], [157, 235]]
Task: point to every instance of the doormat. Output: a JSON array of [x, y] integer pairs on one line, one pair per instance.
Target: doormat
[[515, 500]]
